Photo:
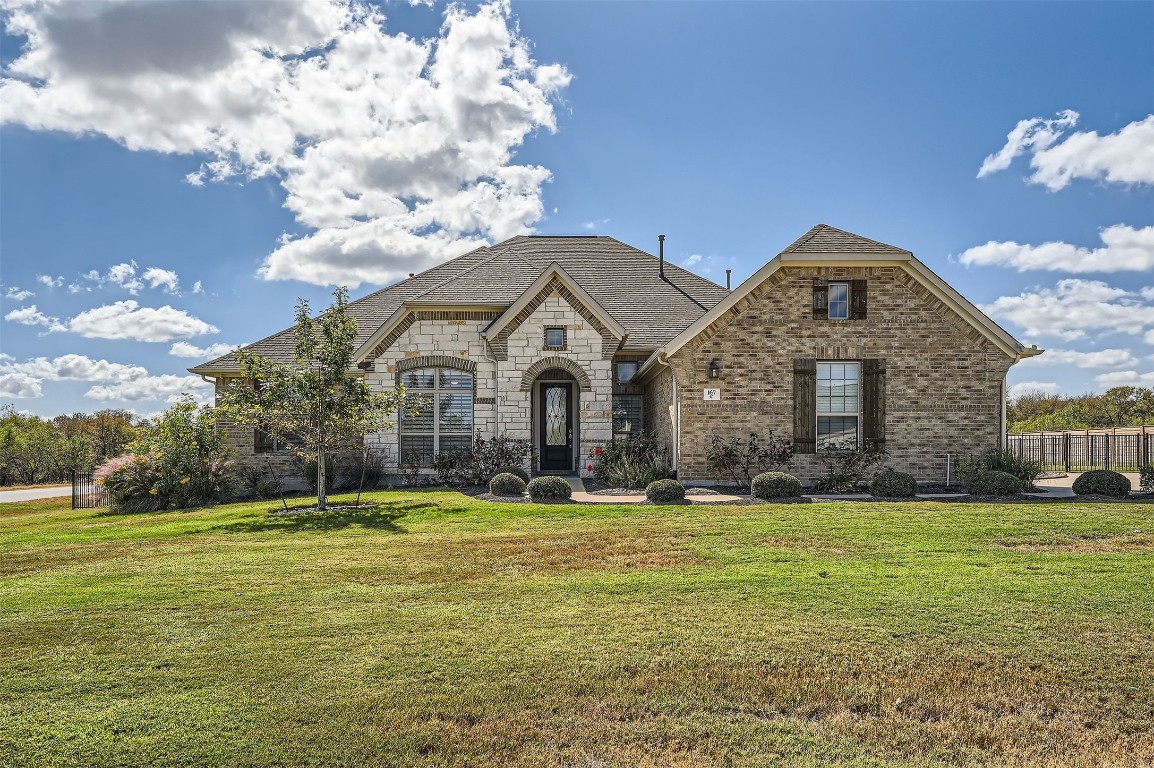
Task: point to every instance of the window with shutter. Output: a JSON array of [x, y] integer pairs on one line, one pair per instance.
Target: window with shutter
[[874, 403], [820, 299], [858, 297]]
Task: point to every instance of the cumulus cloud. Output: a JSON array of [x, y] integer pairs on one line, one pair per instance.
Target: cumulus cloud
[[48, 281], [19, 385], [396, 153], [1102, 358], [158, 277], [1022, 387], [1073, 307], [128, 320], [1124, 378], [17, 294], [184, 349], [73, 367], [1125, 157], [31, 315], [693, 259], [166, 387], [1123, 249]]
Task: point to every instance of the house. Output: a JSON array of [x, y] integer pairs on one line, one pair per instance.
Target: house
[[838, 341]]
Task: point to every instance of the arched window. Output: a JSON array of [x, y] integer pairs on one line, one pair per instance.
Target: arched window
[[444, 419]]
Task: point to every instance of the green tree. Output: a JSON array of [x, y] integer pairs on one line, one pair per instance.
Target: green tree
[[316, 400]]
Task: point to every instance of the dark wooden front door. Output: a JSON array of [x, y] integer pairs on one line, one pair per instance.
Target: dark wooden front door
[[555, 418]]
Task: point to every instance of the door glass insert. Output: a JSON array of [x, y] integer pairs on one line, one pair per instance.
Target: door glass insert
[[556, 416]]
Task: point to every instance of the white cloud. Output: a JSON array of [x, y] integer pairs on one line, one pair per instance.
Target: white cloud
[[1102, 358], [162, 277], [1123, 248], [30, 315], [1149, 337], [1124, 378], [595, 224], [19, 385], [197, 288], [1125, 157], [693, 259], [396, 152], [17, 294], [125, 320], [48, 281], [73, 367], [184, 349], [1022, 387], [166, 387], [1073, 307]]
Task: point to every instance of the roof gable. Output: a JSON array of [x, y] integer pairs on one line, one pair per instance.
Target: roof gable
[[823, 238]]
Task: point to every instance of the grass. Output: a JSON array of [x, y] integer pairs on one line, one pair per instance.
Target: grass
[[436, 630]]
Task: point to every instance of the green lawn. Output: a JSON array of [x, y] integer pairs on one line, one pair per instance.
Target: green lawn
[[441, 631]]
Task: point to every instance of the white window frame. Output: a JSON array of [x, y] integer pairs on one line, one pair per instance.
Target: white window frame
[[432, 393], [829, 301], [857, 415]]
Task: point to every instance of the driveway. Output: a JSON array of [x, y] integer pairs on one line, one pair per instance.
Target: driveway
[[47, 492]]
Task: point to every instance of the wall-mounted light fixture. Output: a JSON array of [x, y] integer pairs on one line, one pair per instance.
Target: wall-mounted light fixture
[[714, 369]]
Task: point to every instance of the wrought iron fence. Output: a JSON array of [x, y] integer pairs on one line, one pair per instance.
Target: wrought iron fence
[[1124, 449], [86, 494]]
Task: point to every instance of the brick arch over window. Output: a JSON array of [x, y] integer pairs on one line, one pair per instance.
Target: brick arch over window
[[564, 363], [436, 361]]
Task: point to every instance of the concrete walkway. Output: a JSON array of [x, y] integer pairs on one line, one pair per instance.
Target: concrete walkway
[[46, 492]]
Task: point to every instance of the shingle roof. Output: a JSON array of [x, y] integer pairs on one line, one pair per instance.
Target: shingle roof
[[826, 239], [624, 280]]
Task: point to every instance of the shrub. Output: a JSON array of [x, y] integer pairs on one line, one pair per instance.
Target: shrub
[[845, 470], [1146, 478], [259, 483], [775, 485], [994, 483], [452, 467], [633, 462], [360, 470], [491, 456], [665, 491], [549, 488], [741, 459], [891, 484], [998, 460], [1102, 482], [506, 484], [518, 471]]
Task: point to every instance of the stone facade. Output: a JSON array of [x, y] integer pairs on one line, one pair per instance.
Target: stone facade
[[944, 382]]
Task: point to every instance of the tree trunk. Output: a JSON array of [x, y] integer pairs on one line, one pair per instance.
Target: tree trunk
[[321, 496]]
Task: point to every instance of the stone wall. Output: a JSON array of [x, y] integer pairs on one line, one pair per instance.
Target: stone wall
[[944, 381]]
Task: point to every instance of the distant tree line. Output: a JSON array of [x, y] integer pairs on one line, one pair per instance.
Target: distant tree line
[[35, 450], [1038, 411]]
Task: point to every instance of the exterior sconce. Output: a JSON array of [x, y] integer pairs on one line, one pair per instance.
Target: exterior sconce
[[714, 369]]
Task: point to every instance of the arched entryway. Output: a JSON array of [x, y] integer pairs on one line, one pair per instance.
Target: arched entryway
[[556, 420]]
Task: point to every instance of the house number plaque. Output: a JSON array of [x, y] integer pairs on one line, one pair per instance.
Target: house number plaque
[[712, 393]]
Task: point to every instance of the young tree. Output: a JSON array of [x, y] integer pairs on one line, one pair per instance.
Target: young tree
[[316, 400]]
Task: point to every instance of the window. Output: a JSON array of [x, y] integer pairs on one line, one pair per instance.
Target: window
[[263, 442], [626, 371], [627, 415], [444, 419], [555, 338], [839, 301], [838, 409]]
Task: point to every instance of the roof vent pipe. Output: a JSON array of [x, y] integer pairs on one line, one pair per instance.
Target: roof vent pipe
[[728, 272], [661, 255]]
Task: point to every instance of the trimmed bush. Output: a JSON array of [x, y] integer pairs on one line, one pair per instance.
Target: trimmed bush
[[506, 484], [775, 485], [1102, 482], [1146, 478], [512, 471], [549, 488], [664, 491], [994, 483], [891, 484]]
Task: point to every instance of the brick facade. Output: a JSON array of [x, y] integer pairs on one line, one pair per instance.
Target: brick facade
[[944, 384]]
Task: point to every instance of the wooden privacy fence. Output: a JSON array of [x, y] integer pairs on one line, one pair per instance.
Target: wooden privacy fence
[[1122, 449]]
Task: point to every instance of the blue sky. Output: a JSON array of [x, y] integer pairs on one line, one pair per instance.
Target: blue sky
[[166, 187]]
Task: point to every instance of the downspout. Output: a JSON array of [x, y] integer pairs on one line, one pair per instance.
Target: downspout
[[663, 360]]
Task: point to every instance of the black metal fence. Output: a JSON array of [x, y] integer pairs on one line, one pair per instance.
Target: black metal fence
[[1124, 449], [86, 494]]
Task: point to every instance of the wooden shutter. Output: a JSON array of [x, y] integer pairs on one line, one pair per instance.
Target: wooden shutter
[[805, 405], [820, 299], [874, 403], [857, 298]]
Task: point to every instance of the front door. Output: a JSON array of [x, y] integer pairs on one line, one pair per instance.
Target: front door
[[556, 420]]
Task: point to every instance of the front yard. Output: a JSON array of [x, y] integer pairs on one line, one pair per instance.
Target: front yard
[[438, 630]]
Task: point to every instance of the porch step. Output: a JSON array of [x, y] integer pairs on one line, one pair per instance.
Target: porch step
[[575, 483]]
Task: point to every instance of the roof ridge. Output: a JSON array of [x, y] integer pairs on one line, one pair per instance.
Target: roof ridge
[[818, 229]]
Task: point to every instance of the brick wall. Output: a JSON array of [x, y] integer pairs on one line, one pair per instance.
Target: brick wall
[[943, 386]]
